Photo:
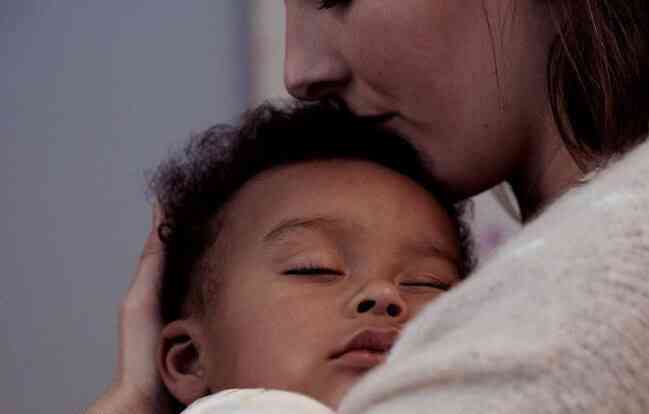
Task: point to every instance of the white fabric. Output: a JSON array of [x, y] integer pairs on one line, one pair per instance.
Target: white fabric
[[256, 401], [556, 322]]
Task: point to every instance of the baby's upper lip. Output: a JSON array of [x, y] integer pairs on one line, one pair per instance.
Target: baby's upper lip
[[374, 340]]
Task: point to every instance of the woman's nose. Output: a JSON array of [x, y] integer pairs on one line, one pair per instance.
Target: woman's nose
[[313, 67], [379, 299]]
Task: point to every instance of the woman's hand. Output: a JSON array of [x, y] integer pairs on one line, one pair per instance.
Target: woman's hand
[[137, 387]]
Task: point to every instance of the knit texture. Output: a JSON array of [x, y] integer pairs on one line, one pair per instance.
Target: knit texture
[[556, 322]]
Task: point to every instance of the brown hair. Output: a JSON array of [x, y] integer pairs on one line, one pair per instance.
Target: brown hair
[[598, 75], [195, 185]]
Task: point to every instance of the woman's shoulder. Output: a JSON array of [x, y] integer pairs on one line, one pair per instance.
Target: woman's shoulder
[[608, 202], [630, 169]]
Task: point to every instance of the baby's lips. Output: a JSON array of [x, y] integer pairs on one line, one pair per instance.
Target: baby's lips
[[378, 340], [256, 401]]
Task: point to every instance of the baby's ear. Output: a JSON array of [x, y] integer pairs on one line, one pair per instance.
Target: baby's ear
[[179, 361]]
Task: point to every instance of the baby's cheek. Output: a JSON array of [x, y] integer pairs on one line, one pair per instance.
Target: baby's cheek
[[278, 336], [416, 305], [270, 347]]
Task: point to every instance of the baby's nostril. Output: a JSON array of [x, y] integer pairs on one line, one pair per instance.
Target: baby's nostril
[[393, 310], [366, 305]]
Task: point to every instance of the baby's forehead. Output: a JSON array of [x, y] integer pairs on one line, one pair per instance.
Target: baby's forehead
[[337, 196], [340, 229], [342, 176]]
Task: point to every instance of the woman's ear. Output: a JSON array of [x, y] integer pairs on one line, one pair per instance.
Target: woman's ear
[[180, 363]]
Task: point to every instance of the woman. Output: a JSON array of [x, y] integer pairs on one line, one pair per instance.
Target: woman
[[541, 94]]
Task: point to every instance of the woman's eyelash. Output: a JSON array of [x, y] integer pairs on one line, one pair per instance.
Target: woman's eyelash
[[330, 4], [312, 271]]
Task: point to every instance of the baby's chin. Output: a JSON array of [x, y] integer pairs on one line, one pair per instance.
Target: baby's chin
[[332, 394]]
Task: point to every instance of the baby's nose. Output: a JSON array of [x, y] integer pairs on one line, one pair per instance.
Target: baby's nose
[[380, 299], [392, 309]]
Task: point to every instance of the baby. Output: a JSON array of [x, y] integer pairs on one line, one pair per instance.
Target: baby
[[297, 245]]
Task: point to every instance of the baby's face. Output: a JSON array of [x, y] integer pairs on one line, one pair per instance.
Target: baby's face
[[320, 264]]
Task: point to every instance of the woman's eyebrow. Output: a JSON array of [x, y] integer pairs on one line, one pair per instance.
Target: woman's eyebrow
[[299, 223]]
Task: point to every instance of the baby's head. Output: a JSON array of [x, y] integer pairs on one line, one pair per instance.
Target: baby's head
[[297, 245]]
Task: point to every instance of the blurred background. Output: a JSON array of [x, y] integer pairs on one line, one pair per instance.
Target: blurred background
[[95, 94]]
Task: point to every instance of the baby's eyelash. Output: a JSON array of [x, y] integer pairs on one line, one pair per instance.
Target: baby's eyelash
[[330, 4], [312, 271], [434, 285]]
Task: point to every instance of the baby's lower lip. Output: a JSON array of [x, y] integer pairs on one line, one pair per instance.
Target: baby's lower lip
[[361, 359]]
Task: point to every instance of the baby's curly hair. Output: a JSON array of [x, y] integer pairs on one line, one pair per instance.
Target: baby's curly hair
[[194, 186]]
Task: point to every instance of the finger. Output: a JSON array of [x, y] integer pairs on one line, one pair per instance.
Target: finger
[[146, 281], [153, 243], [140, 314]]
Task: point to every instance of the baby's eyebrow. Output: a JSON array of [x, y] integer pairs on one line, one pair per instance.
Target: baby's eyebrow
[[316, 223], [426, 248]]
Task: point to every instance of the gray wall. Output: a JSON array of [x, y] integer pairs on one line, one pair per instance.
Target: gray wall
[[93, 94]]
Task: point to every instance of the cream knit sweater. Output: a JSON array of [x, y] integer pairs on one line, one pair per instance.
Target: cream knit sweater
[[556, 322]]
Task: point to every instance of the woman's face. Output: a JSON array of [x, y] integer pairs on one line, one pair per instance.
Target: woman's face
[[464, 80]]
